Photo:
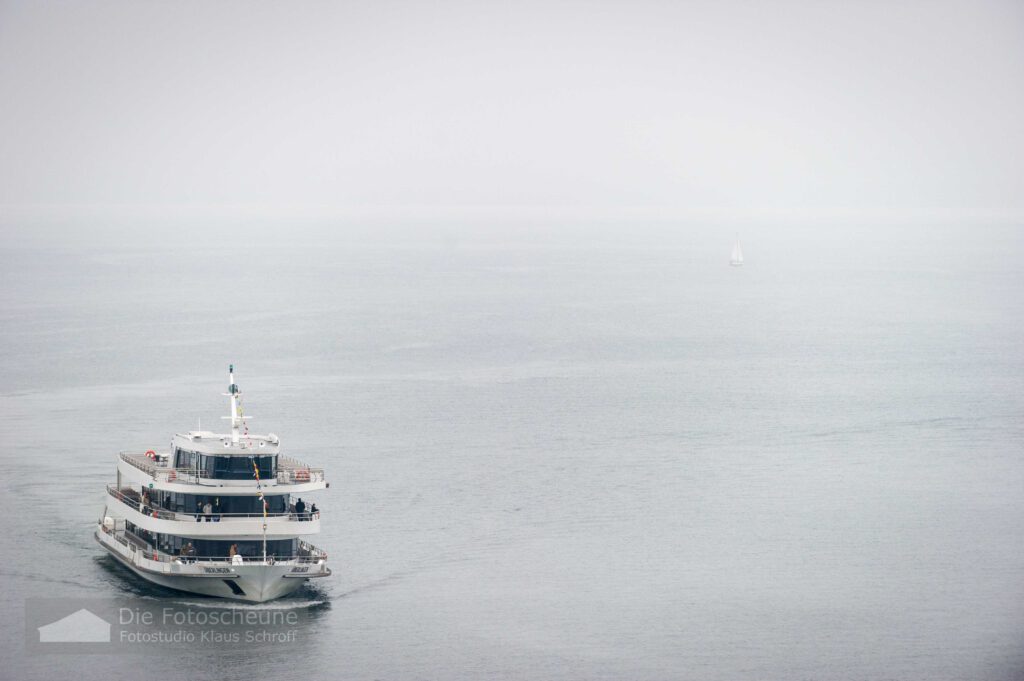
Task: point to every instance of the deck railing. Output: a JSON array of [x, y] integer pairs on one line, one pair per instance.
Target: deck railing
[[150, 509], [289, 471], [307, 553], [293, 471]]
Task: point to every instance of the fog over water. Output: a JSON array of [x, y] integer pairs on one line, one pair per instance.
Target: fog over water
[[788, 107], [472, 260]]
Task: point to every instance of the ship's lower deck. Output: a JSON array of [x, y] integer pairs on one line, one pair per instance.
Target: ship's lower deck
[[237, 578]]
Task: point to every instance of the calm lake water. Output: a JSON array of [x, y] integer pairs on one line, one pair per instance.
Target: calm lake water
[[582, 452]]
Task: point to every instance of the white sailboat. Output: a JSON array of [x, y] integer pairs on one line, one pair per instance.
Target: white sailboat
[[737, 253]]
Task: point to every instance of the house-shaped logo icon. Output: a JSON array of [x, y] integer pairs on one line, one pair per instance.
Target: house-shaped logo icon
[[78, 627]]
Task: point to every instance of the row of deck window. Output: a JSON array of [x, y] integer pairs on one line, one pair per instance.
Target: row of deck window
[[214, 548], [226, 467], [194, 503]]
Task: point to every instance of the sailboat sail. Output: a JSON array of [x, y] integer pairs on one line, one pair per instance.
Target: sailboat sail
[[737, 253]]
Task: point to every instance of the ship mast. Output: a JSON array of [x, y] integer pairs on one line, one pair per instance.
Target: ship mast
[[236, 422], [233, 393]]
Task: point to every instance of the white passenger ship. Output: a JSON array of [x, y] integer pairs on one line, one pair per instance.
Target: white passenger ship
[[221, 515]]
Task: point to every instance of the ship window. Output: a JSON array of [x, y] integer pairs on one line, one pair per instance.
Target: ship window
[[279, 548], [240, 467], [186, 459]]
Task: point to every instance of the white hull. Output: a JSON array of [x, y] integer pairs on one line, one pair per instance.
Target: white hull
[[258, 588]]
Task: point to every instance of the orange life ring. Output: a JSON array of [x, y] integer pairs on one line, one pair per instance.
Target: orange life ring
[[150, 453]]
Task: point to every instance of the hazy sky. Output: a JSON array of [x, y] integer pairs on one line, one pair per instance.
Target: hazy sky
[[677, 107]]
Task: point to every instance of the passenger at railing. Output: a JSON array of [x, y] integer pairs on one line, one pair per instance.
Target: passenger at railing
[[314, 512], [208, 511], [199, 511], [300, 509]]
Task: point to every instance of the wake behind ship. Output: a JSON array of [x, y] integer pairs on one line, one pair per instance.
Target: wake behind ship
[[218, 514]]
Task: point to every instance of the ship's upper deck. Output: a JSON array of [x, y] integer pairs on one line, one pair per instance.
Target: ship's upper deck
[[218, 444], [235, 462], [157, 469]]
